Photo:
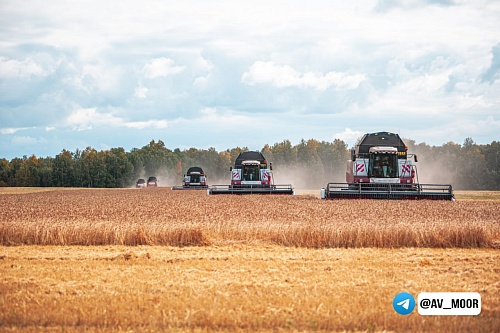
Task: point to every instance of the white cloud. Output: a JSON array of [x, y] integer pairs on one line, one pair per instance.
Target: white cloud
[[158, 124], [326, 66], [200, 82], [100, 77], [12, 130], [456, 130], [224, 117], [161, 67], [86, 119], [203, 64], [283, 76], [24, 141], [11, 68], [141, 92], [349, 136], [218, 118], [105, 146]]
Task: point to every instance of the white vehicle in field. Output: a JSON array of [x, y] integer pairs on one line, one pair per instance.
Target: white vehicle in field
[[381, 168], [152, 182], [252, 174], [194, 179]]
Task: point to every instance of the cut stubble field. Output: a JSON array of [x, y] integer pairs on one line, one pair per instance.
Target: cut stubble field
[[155, 259]]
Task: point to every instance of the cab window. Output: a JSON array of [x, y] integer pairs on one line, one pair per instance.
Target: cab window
[[250, 172], [384, 166]]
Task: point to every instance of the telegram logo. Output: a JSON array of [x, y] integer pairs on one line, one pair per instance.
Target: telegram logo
[[403, 303]]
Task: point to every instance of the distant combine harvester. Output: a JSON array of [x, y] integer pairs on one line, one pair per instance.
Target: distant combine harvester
[[252, 174]]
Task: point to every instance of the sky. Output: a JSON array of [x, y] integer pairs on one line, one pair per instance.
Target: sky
[[228, 74]]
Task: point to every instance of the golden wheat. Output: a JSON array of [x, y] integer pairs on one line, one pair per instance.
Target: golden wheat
[[238, 277], [164, 217], [237, 288]]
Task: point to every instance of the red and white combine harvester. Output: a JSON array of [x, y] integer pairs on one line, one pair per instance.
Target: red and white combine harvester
[[381, 168], [194, 179], [251, 175]]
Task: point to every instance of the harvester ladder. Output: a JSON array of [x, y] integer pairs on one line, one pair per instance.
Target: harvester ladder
[[414, 167], [272, 177]]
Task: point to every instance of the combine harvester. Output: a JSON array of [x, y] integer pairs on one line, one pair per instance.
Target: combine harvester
[[194, 179], [251, 175], [381, 168]]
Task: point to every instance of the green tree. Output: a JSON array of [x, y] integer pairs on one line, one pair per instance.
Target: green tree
[[154, 157], [45, 172], [309, 163], [119, 168], [63, 169], [5, 167], [334, 156], [313, 163], [491, 153], [473, 166], [134, 158], [235, 152], [284, 154]]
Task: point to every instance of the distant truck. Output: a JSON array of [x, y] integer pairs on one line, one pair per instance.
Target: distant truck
[[152, 182]]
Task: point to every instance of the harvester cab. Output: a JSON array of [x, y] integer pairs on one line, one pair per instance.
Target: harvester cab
[[251, 174], [381, 168], [194, 179]]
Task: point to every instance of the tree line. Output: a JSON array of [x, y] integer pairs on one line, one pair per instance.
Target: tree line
[[308, 164]]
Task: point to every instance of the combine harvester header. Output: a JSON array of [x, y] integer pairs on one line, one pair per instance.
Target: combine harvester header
[[194, 179], [251, 175], [381, 168]]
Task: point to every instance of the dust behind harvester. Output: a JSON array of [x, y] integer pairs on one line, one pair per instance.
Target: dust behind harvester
[[381, 168], [252, 174]]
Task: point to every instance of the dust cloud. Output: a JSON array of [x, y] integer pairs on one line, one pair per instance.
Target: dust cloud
[[432, 170], [165, 177], [308, 178], [429, 171]]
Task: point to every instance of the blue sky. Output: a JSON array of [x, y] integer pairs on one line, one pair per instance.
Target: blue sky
[[232, 73]]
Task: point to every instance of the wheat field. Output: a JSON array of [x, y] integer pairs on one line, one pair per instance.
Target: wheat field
[[149, 260], [182, 218]]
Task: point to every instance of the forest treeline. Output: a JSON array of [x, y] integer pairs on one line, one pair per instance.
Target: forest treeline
[[309, 164]]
